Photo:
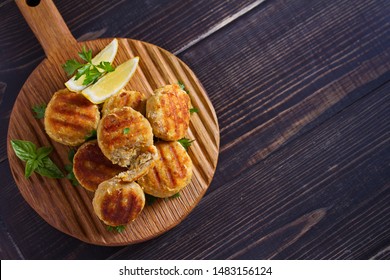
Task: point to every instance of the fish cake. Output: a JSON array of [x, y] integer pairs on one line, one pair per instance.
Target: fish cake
[[70, 118], [168, 112], [123, 135], [118, 203], [91, 167], [133, 99], [140, 166], [172, 171]]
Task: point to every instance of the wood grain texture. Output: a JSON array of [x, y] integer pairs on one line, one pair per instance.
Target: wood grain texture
[[69, 209], [324, 196], [314, 64], [284, 68]]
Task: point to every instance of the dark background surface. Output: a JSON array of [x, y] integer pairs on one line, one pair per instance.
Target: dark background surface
[[301, 91]]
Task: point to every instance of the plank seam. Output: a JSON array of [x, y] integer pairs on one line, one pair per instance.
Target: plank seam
[[219, 25]]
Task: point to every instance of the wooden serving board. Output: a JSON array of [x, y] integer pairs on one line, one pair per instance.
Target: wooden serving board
[[69, 208]]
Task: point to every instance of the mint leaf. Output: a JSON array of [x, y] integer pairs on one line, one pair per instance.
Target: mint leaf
[[49, 169], [24, 150], [39, 111]]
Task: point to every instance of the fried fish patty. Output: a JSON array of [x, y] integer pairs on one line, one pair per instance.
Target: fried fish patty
[[133, 99], [70, 117], [118, 203], [168, 111], [91, 167], [140, 166], [172, 171], [123, 135]]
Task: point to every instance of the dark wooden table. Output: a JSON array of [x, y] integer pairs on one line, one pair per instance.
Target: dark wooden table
[[302, 94]]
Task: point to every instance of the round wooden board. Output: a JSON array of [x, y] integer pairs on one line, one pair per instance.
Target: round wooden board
[[69, 208]]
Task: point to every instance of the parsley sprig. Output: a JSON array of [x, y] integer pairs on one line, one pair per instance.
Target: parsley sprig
[[37, 159], [118, 229], [185, 142], [39, 111], [91, 71]]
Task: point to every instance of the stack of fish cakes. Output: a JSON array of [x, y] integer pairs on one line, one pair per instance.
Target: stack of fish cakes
[[125, 162]]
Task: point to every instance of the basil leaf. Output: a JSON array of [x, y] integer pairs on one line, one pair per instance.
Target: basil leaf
[[31, 165], [49, 169], [43, 152], [24, 150]]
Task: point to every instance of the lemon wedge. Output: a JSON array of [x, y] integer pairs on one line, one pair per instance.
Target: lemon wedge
[[112, 82], [107, 54]]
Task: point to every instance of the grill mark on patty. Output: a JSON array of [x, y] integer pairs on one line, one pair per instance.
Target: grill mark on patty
[[166, 166], [66, 124], [91, 167], [179, 165], [74, 98], [63, 110], [116, 211]]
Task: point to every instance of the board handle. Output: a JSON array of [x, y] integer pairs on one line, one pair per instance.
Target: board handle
[[47, 24]]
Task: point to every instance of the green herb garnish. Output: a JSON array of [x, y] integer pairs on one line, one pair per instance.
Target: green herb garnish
[[91, 136], [182, 86], [36, 159], [118, 229], [39, 111], [194, 110], [126, 130], [186, 143], [91, 71], [150, 199], [69, 168], [175, 195]]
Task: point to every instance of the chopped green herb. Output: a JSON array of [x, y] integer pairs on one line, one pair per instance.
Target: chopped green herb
[[126, 130], [150, 199], [39, 111], [175, 195], [182, 86], [36, 159], [186, 143], [91, 136], [194, 110], [118, 229], [69, 168], [90, 70]]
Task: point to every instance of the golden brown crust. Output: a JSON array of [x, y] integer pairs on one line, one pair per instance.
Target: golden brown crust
[[123, 135], [140, 166], [91, 167], [133, 99], [70, 117], [118, 203], [168, 111], [172, 171]]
